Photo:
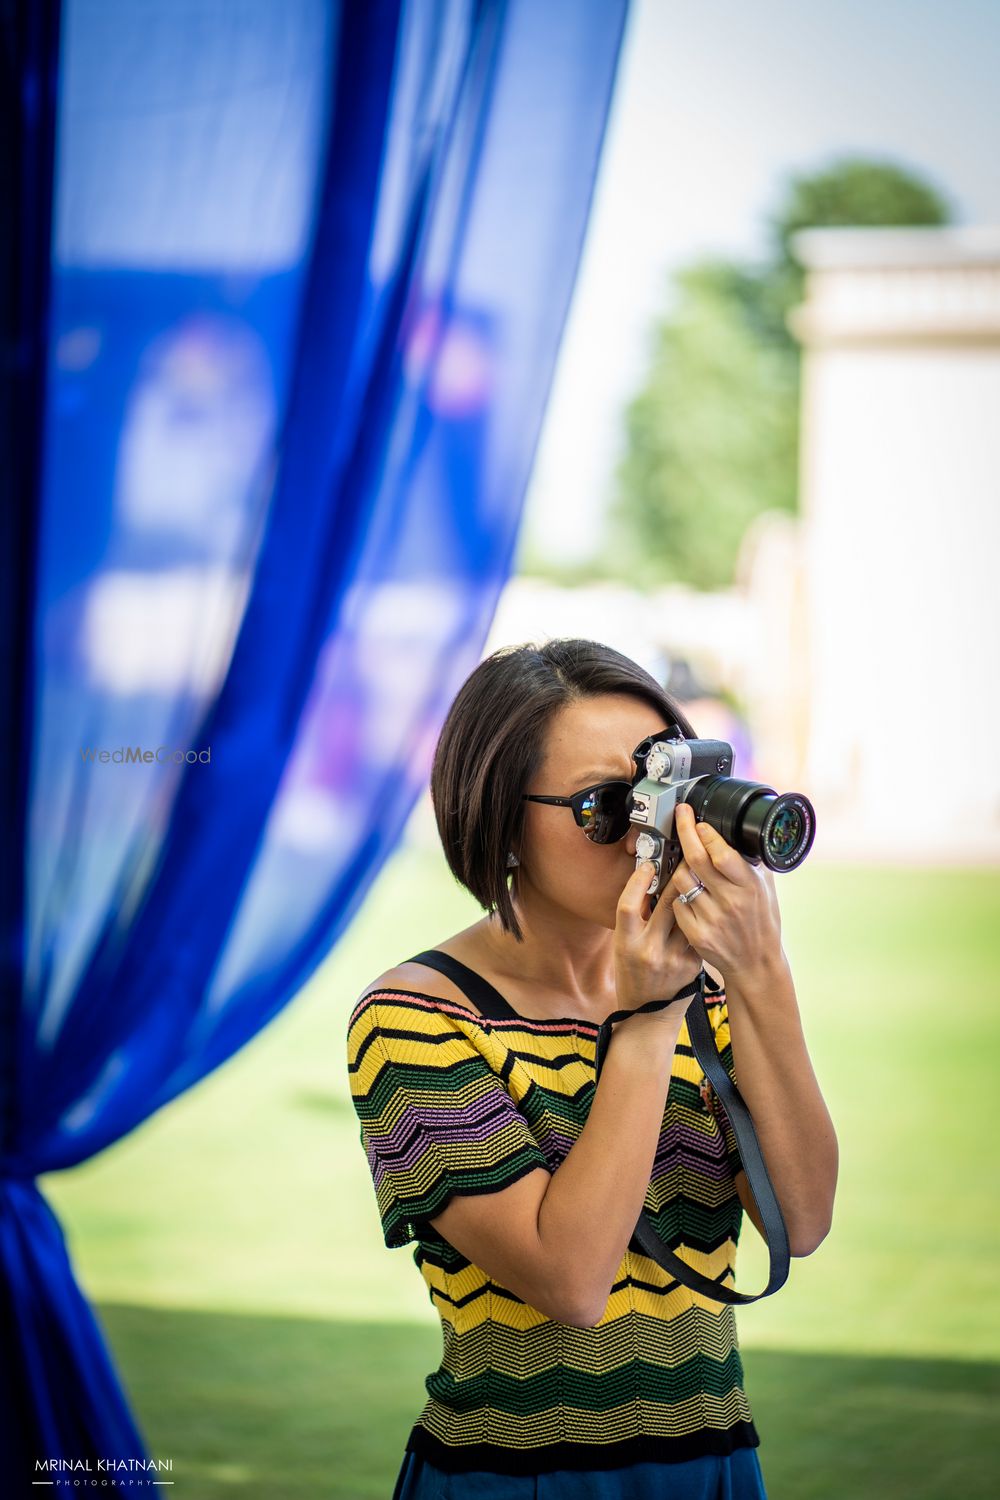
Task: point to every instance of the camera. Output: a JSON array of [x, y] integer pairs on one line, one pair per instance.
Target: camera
[[765, 826]]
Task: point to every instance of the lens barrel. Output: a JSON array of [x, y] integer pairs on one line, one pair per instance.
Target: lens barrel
[[762, 824]]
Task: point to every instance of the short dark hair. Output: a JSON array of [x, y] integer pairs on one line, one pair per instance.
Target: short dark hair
[[491, 745]]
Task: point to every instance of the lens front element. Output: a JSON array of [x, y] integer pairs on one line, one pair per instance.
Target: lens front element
[[787, 831], [756, 820]]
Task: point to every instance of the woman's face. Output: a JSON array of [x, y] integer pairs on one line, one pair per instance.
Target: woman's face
[[589, 740]]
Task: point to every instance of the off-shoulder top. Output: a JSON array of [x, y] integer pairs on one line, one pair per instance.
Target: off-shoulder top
[[450, 1102]]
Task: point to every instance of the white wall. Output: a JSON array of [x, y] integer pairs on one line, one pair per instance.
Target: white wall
[[901, 538]]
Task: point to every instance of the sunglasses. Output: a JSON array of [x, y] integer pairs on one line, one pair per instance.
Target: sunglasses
[[602, 811]]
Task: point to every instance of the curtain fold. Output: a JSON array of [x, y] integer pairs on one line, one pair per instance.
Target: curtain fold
[[308, 270]]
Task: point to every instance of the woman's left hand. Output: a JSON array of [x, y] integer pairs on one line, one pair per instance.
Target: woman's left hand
[[735, 923]]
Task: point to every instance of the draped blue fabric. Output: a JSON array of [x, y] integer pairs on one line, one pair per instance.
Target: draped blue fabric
[[276, 406]]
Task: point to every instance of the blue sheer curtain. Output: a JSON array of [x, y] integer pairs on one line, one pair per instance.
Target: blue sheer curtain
[[279, 394]]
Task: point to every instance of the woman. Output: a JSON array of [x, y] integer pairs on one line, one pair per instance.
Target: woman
[[574, 1365]]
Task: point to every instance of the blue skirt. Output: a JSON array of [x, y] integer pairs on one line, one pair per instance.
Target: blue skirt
[[736, 1477]]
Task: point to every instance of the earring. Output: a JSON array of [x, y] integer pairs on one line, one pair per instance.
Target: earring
[[512, 860]]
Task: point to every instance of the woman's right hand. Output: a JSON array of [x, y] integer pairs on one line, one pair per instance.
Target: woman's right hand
[[653, 959]]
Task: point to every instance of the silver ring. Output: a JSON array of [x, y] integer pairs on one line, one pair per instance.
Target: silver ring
[[693, 893]]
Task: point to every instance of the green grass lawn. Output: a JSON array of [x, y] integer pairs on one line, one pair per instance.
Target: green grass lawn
[[273, 1347]]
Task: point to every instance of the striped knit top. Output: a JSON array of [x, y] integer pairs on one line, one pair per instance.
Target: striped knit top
[[452, 1103]]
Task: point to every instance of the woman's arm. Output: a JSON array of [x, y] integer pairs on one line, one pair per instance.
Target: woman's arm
[[779, 1087], [557, 1241], [735, 925]]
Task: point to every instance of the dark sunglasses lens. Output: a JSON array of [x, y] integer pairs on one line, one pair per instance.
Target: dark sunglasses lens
[[605, 813]]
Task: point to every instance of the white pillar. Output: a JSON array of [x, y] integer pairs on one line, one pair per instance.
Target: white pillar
[[900, 480]]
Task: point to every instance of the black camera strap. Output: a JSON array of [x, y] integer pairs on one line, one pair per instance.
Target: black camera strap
[[645, 1238]]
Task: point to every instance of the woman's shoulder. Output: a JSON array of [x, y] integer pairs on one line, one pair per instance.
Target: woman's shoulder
[[407, 1003], [418, 981]]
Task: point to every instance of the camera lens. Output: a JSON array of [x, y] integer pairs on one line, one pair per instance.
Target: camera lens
[[756, 820], [781, 828], [785, 832]]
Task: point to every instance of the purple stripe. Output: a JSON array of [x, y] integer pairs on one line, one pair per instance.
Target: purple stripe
[[712, 1171], [422, 1127], [712, 1167], [677, 1134], [674, 1138]]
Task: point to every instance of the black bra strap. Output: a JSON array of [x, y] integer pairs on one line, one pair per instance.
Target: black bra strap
[[487, 1000]]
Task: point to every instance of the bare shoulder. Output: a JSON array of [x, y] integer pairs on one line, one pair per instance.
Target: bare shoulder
[[421, 979]]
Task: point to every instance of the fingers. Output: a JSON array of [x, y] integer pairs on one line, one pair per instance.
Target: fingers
[[681, 880], [631, 902], [661, 918], [695, 853], [707, 852], [687, 921], [684, 879], [676, 939], [636, 912], [686, 913]]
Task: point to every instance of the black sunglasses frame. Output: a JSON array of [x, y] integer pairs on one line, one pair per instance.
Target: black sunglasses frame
[[576, 802], [577, 799]]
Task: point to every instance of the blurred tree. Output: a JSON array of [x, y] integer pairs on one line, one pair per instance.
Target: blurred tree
[[853, 191], [711, 439]]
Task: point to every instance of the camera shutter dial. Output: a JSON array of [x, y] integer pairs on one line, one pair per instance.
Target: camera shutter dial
[[646, 846]]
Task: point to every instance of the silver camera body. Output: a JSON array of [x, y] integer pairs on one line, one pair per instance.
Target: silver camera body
[[764, 826], [668, 770]]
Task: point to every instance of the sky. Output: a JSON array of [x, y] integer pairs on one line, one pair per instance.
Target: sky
[[715, 106]]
